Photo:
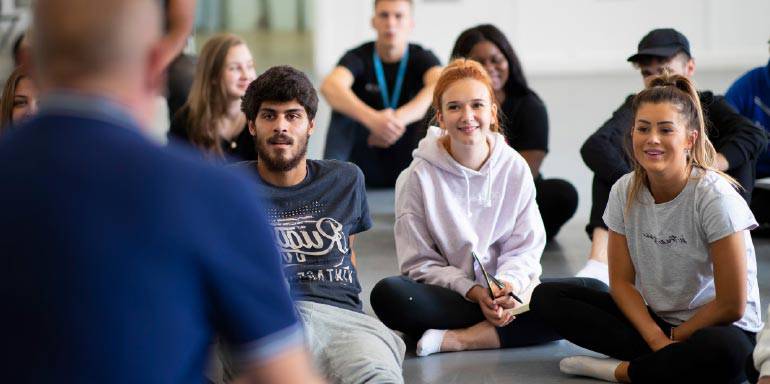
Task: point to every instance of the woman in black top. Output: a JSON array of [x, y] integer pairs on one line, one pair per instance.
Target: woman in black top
[[525, 120], [211, 119]]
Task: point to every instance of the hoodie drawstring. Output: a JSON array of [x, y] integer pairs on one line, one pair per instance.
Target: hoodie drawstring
[[488, 189], [467, 194]]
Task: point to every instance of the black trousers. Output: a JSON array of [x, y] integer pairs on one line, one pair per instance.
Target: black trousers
[[412, 308], [592, 320], [760, 205], [557, 200]]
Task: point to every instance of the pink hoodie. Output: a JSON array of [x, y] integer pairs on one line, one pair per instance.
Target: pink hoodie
[[444, 211]]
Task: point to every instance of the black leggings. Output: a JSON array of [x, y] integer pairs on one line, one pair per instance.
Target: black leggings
[[557, 200], [412, 308], [592, 320], [760, 205]]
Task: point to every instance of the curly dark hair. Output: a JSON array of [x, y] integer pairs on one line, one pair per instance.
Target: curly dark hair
[[516, 84], [280, 84]]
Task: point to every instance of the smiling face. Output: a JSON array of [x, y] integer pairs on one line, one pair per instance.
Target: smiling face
[[467, 111], [393, 21], [493, 60], [661, 139], [281, 132], [24, 100], [238, 71]]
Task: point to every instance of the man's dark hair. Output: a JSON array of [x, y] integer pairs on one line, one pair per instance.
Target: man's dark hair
[[280, 84]]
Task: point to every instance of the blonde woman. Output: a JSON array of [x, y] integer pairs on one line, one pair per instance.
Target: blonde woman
[[211, 119], [683, 303]]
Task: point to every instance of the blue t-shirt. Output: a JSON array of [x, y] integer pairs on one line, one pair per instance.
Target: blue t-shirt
[[750, 95], [312, 222], [121, 260]]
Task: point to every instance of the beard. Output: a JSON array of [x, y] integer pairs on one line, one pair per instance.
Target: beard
[[278, 163]]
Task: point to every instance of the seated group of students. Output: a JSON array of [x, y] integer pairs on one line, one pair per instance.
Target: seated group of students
[[684, 300], [467, 189]]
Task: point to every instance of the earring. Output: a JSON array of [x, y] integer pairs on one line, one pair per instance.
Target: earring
[[687, 152]]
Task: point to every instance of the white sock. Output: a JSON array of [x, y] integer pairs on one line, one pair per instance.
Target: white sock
[[595, 269], [598, 368], [430, 342]]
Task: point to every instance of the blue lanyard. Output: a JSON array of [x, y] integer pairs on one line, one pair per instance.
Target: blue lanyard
[[386, 101]]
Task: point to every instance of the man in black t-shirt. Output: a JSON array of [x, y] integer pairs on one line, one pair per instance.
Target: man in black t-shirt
[[316, 208], [380, 92]]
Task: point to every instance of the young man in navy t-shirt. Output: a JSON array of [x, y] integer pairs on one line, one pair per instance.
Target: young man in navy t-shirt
[[317, 207]]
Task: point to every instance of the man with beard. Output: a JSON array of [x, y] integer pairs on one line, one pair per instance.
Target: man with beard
[[317, 208]]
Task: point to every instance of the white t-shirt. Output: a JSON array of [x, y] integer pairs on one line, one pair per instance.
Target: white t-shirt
[[669, 244]]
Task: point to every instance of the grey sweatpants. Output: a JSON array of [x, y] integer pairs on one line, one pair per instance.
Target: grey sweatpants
[[350, 347]]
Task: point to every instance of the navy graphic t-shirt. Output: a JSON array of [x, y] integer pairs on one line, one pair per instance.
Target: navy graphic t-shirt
[[312, 222]]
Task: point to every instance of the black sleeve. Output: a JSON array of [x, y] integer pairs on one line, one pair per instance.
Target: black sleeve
[[364, 221], [733, 135], [528, 127], [178, 128], [353, 61], [423, 61], [603, 151]]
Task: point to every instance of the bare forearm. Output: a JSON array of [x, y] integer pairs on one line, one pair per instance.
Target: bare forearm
[[344, 101], [416, 108], [180, 16], [713, 313]]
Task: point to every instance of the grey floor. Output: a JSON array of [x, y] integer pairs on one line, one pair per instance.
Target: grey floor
[[375, 251]]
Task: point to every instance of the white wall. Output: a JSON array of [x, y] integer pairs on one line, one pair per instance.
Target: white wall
[[573, 52]]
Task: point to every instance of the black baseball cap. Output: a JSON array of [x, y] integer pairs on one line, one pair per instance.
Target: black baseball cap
[[664, 42]]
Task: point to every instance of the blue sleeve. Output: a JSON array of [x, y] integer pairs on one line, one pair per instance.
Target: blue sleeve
[[738, 95], [252, 309]]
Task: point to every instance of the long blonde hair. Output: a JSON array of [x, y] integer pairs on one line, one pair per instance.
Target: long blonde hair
[[207, 100], [680, 92]]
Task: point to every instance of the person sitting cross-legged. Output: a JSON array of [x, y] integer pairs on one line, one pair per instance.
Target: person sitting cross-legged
[[317, 207]]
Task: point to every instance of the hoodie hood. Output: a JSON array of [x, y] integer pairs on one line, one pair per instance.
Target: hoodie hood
[[436, 154]]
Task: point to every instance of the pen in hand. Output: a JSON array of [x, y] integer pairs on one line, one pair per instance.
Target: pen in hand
[[492, 280]]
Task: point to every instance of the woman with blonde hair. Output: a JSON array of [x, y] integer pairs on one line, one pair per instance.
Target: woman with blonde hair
[[212, 119], [19, 99], [683, 303], [466, 193]]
